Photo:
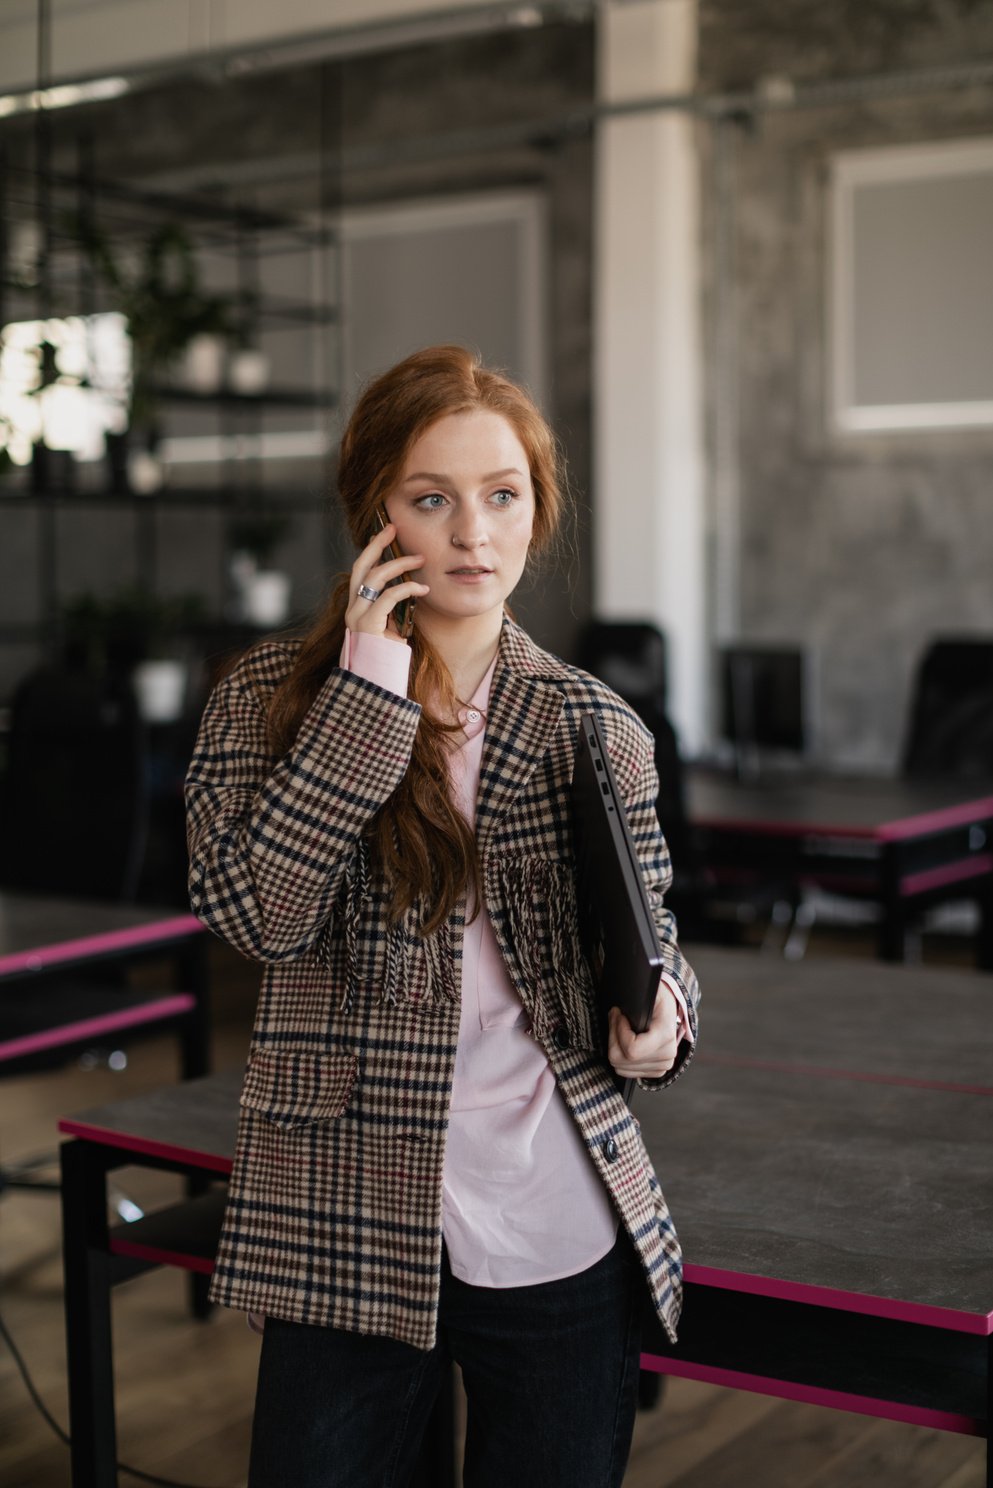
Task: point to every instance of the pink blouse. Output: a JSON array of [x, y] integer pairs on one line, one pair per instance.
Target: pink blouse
[[522, 1201]]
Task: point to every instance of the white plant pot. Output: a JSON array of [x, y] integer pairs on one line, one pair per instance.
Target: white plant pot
[[203, 363], [242, 567], [266, 597], [160, 687], [248, 371], [146, 472]]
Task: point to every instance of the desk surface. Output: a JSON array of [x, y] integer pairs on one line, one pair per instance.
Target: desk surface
[[37, 932], [830, 1143], [193, 1123], [882, 809]]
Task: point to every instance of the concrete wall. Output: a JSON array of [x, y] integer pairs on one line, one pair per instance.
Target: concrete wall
[[860, 547]]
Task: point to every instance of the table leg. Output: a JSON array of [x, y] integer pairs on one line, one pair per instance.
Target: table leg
[[194, 976], [86, 1262], [892, 940], [200, 1304], [984, 947], [193, 966]]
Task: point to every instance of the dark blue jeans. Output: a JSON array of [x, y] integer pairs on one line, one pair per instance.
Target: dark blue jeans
[[550, 1375]]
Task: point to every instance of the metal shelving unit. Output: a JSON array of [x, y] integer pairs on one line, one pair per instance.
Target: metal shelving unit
[[235, 246]]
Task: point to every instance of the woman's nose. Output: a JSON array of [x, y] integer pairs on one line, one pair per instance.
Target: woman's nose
[[469, 535]]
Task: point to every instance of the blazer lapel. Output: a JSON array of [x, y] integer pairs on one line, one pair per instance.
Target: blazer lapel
[[521, 719]]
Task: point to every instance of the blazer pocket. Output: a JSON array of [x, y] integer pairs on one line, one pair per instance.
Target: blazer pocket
[[296, 1089]]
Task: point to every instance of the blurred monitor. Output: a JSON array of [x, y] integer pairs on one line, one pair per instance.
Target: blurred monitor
[[763, 702]]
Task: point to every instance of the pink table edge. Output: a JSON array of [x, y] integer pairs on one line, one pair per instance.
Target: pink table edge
[[175, 1005], [181, 1260], [174, 928], [212, 1161], [938, 820]]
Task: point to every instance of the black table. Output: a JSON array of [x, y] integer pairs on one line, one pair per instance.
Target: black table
[[187, 1129], [40, 932], [828, 1165], [46, 937], [827, 1162], [906, 844], [43, 937]]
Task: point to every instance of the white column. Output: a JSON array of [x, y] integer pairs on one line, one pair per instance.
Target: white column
[[649, 488]]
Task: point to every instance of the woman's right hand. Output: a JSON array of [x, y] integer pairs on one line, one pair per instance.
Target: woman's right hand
[[375, 616]]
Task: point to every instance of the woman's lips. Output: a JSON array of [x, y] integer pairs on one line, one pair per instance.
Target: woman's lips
[[469, 575]]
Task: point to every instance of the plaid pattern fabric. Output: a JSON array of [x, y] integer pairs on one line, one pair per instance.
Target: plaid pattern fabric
[[334, 1211]]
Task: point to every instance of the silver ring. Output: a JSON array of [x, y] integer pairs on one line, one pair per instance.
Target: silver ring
[[364, 592]]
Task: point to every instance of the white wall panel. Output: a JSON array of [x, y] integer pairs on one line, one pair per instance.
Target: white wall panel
[[649, 489]]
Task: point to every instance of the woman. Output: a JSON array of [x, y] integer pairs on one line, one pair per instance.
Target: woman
[[433, 1159]]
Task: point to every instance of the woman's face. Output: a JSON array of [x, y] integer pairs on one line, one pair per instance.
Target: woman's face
[[465, 500]]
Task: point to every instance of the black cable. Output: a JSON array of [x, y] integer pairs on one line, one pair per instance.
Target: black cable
[[63, 1436]]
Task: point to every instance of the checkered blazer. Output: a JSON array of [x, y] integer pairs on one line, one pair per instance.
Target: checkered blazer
[[334, 1210]]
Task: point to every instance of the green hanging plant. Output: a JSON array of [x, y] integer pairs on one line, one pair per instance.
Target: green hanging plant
[[163, 304], [116, 631]]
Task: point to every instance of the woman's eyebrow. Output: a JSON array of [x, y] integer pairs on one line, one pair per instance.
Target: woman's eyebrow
[[443, 480]]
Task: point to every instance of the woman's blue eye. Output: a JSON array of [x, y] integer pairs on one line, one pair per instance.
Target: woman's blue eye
[[504, 497], [431, 501]]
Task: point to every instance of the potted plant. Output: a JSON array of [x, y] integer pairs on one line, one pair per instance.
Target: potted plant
[[248, 364], [166, 310], [143, 636], [262, 592]]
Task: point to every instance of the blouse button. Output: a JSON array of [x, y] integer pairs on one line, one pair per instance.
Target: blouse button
[[473, 715]]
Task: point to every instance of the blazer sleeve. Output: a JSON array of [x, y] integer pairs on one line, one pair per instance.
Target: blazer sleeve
[[639, 799], [270, 839]]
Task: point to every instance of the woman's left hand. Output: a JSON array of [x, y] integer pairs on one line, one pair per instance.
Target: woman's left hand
[[648, 1055]]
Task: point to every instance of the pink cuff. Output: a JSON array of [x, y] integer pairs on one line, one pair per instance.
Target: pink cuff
[[377, 659], [685, 1031]]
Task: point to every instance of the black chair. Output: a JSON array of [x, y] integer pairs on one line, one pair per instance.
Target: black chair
[[950, 726], [75, 809], [949, 730], [630, 656], [763, 704], [73, 824]]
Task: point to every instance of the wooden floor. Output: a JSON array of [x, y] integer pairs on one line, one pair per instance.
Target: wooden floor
[[184, 1389]]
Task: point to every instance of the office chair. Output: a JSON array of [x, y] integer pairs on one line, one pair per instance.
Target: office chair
[[630, 657], [950, 723], [73, 824], [763, 704], [949, 731], [75, 801]]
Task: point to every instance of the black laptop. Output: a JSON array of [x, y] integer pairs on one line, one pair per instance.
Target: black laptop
[[615, 918]]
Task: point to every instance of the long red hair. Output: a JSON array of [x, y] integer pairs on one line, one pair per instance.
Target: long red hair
[[421, 840]]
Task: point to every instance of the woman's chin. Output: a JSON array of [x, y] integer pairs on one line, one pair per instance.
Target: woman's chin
[[468, 605]]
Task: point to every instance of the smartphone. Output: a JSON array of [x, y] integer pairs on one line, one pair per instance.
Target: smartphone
[[403, 611]]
